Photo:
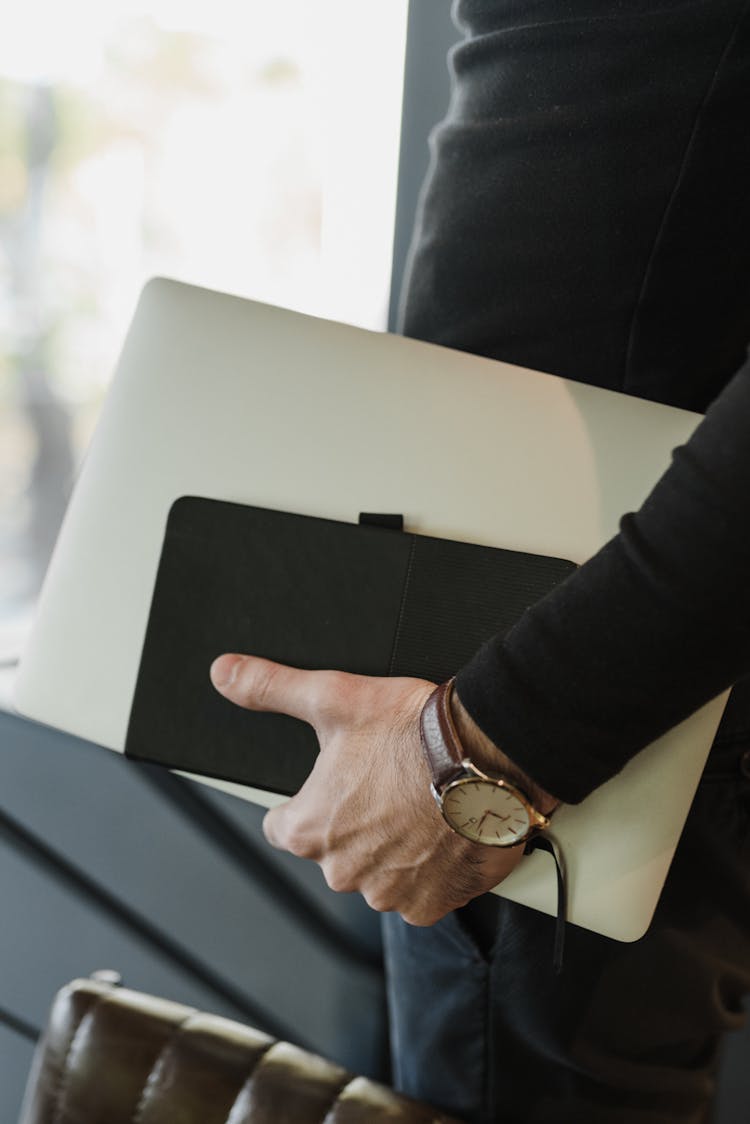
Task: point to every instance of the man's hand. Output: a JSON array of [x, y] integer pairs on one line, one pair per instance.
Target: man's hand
[[366, 814]]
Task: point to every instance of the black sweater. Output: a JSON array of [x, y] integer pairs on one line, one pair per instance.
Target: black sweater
[[588, 213]]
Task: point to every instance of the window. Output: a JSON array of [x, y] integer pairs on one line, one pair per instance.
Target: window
[[248, 147]]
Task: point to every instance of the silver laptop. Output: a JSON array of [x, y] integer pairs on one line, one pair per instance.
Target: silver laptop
[[225, 398]]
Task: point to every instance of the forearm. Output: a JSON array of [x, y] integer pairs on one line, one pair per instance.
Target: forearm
[[653, 626]]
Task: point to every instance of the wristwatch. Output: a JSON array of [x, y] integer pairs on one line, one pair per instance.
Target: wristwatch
[[487, 808]]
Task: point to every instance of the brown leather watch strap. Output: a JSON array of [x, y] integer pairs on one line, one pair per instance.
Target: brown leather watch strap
[[440, 741]]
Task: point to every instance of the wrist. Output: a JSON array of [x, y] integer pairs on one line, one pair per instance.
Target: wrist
[[490, 758]]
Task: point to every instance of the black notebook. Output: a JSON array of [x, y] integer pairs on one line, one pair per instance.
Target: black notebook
[[313, 593]]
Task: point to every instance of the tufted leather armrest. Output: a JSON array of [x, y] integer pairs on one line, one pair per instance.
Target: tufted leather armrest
[[114, 1056]]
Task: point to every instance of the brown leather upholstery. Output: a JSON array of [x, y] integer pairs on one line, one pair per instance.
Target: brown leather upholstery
[[114, 1056]]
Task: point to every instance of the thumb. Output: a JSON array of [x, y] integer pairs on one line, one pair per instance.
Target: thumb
[[259, 684]]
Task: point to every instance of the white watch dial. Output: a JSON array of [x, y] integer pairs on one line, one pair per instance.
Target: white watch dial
[[485, 812]]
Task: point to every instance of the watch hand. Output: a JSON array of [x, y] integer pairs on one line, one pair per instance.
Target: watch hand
[[484, 817]]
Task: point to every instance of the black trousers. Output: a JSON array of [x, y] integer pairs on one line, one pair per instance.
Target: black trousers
[[586, 214]]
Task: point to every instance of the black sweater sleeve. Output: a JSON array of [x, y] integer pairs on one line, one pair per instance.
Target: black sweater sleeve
[[587, 213], [651, 627]]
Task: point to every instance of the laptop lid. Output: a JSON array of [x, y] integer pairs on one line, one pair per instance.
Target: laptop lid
[[222, 397]]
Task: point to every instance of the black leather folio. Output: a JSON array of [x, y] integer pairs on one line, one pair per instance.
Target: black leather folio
[[313, 593]]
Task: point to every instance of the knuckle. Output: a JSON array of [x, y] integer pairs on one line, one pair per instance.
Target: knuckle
[[378, 900], [260, 683], [338, 877], [299, 841], [421, 919], [425, 910]]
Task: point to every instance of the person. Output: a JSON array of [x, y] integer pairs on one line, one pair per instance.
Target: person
[[586, 213]]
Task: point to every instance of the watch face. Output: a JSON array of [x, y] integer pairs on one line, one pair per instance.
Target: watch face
[[485, 812]]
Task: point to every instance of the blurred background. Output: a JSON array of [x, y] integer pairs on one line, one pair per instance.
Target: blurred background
[[238, 146]]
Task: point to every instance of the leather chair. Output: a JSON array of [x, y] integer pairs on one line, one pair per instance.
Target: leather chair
[[114, 1056]]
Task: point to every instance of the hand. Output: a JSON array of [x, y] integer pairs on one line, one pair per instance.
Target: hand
[[366, 814]]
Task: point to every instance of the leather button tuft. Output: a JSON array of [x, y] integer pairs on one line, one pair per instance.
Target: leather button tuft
[[745, 764]]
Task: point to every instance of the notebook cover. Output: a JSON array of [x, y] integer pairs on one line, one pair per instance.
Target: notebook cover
[[313, 593]]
